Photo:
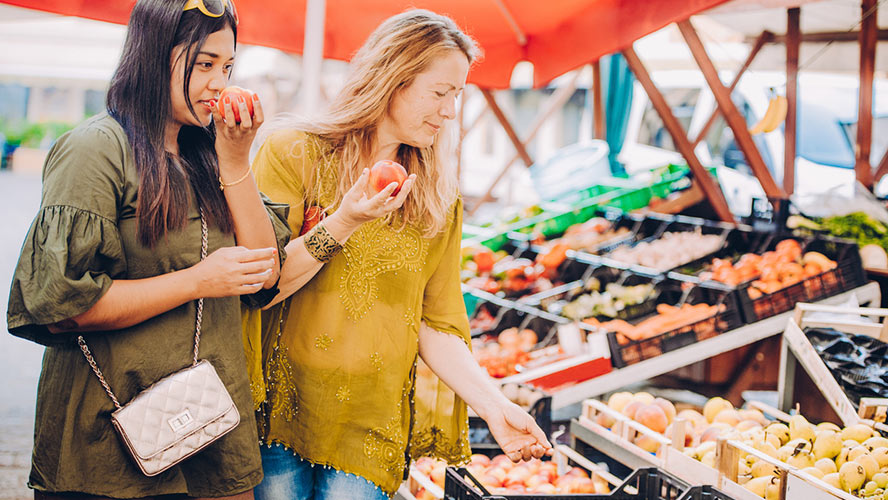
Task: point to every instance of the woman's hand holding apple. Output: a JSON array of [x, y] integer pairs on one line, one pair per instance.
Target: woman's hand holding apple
[[238, 115]]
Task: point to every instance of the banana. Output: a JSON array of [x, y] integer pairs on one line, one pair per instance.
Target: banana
[[774, 115]]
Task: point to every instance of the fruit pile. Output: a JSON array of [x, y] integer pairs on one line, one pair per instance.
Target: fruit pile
[[671, 250], [667, 319], [853, 459], [589, 236], [500, 475], [610, 302], [772, 271], [497, 271], [500, 357]]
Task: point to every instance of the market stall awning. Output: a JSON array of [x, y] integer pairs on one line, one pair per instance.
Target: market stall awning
[[555, 36]]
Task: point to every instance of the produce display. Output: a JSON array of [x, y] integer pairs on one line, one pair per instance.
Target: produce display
[[589, 236], [870, 234], [502, 355], [609, 303], [496, 272], [786, 265], [859, 363], [499, 475], [668, 318], [853, 459], [671, 250]]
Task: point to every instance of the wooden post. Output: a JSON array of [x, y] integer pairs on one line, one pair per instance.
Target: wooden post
[[868, 34], [504, 122], [760, 42], [882, 169], [598, 101], [679, 137], [793, 37], [733, 117], [555, 102]]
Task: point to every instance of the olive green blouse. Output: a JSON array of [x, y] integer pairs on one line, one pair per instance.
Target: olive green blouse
[[343, 381], [85, 236]]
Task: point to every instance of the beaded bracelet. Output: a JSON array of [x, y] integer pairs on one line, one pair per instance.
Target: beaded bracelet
[[321, 244], [223, 185]]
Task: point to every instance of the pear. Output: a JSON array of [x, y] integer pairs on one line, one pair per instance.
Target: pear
[[868, 489], [774, 440], [709, 458], [799, 445], [869, 465], [832, 479], [803, 459], [800, 428], [826, 465], [842, 457], [851, 476], [881, 479], [828, 426], [857, 432], [705, 448], [784, 452], [758, 485], [766, 448], [762, 468], [881, 456], [772, 492], [857, 452], [827, 444], [714, 406], [743, 468], [876, 442], [780, 430]]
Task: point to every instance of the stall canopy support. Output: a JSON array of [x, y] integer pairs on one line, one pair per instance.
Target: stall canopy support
[[868, 34], [679, 137], [598, 102], [732, 116], [793, 36]]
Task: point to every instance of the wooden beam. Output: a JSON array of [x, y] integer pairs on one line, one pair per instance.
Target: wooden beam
[[868, 33], [679, 137], [598, 101], [760, 42], [554, 103], [733, 117], [510, 131], [829, 36], [882, 169], [793, 36]]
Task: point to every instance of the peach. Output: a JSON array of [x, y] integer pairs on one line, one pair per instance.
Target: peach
[[752, 414], [745, 425], [501, 461], [618, 400], [653, 417], [713, 431], [583, 485], [438, 473], [647, 443], [689, 435], [534, 482], [630, 409], [714, 406], [605, 420], [645, 397], [546, 489], [516, 476], [497, 473], [730, 417], [576, 472], [667, 407], [479, 459]]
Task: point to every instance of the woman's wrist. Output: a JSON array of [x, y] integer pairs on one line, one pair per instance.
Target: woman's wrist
[[340, 227]]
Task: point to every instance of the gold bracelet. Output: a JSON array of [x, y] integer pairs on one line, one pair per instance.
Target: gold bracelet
[[321, 244], [223, 185]]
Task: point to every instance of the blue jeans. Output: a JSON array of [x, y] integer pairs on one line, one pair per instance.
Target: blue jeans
[[289, 477]]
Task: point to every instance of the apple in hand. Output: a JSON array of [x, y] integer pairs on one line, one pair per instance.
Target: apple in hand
[[383, 173], [233, 93]]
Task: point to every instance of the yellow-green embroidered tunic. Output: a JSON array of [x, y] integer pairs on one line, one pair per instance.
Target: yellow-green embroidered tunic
[[341, 354]]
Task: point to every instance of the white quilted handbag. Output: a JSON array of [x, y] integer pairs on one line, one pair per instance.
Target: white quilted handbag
[[177, 416]]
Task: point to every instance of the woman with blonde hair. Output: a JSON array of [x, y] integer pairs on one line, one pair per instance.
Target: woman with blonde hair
[[374, 287]]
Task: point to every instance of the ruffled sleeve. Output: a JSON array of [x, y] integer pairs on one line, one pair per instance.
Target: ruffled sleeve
[[73, 250]]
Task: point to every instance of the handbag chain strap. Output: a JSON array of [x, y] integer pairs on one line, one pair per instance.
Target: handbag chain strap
[[92, 362]]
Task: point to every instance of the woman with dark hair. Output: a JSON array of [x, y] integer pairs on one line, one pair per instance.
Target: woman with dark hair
[[131, 198]]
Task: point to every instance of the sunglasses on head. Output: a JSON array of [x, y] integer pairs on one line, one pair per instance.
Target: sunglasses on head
[[212, 8]]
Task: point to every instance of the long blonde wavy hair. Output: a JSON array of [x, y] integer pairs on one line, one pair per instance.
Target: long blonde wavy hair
[[399, 49]]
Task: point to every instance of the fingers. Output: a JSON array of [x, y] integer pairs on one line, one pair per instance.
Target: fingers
[[381, 197], [229, 112], [258, 112], [360, 185], [252, 255], [246, 121], [401, 197]]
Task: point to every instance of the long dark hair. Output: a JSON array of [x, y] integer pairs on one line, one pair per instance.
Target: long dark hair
[[139, 99]]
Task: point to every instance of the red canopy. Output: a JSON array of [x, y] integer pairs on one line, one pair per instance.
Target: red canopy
[[556, 35]]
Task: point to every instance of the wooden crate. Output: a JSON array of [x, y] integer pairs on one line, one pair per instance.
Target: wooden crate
[[797, 342]]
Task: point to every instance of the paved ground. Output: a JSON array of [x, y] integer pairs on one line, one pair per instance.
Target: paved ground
[[19, 360]]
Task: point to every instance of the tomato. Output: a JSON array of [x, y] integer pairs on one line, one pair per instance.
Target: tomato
[[484, 259], [234, 92], [385, 172]]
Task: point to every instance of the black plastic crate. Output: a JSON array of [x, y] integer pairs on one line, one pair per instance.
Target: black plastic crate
[[705, 492], [682, 224], [554, 300], [643, 484], [741, 240], [632, 351], [847, 275], [482, 440], [638, 226]]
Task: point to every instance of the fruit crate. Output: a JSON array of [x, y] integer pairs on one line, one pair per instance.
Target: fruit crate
[[555, 300], [643, 484], [847, 275], [720, 231], [637, 226], [539, 407], [627, 352]]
